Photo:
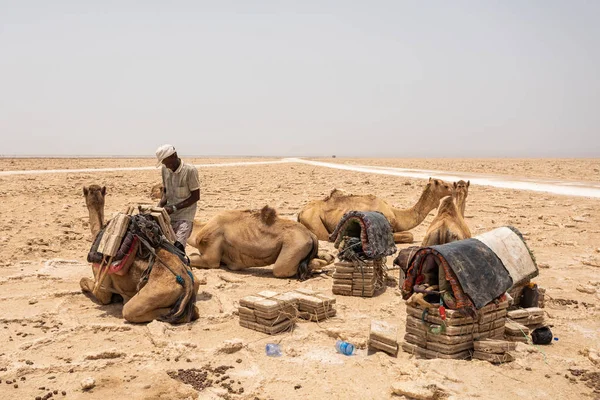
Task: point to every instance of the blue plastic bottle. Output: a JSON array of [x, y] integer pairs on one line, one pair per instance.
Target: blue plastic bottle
[[273, 350], [344, 347]]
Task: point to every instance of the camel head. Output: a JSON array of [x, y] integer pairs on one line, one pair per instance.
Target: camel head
[[461, 191], [156, 191], [435, 190], [94, 200]]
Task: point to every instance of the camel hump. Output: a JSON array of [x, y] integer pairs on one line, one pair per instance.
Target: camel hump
[[336, 193], [268, 215]]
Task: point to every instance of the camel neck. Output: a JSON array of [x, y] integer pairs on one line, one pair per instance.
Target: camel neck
[[461, 202], [412, 217], [96, 220]]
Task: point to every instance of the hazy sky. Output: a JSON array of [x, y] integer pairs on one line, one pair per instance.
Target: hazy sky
[[370, 78]]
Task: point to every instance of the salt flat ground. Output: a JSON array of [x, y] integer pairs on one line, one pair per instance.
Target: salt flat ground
[[54, 336]]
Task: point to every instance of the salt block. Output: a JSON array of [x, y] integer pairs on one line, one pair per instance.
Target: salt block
[[375, 344], [534, 311], [267, 294], [308, 292], [417, 390], [493, 358], [493, 346], [384, 332], [520, 313], [514, 329]]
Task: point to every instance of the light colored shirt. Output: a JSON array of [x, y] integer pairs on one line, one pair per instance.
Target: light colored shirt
[[179, 185]]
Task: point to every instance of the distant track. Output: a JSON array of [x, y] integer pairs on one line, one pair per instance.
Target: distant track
[[562, 187], [91, 170], [568, 188]]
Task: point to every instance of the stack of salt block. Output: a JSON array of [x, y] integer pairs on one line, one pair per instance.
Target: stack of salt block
[[161, 216], [356, 279], [271, 312], [494, 351], [523, 321], [384, 337], [113, 234], [312, 305], [268, 312], [426, 337]]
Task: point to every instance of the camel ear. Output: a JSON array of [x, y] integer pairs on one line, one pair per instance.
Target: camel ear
[[468, 183], [429, 179], [85, 191], [103, 191], [455, 185], [435, 181]]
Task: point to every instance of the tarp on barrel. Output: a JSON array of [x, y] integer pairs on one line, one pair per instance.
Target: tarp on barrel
[[478, 269], [372, 231], [508, 244]]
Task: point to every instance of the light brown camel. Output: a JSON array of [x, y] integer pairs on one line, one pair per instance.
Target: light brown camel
[[322, 216], [255, 238], [461, 191], [159, 297], [156, 191], [449, 224], [94, 200]]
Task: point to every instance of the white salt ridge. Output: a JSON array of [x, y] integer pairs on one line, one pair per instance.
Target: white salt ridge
[[567, 188]]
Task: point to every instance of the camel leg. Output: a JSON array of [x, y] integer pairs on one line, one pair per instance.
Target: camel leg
[[210, 259], [316, 226], [152, 302], [315, 263], [102, 296], [290, 256], [403, 237]]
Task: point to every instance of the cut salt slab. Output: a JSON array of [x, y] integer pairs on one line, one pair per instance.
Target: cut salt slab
[[384, 332], [493, 358], [516, 329], [267, 294], [419, 391], [494, 346]]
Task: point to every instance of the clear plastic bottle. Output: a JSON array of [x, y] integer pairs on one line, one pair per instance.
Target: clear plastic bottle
[[273, 350], [344, 347]]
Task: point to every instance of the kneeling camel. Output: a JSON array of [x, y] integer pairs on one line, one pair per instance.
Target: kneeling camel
[[322, 216], [162, 297], [449, 224]]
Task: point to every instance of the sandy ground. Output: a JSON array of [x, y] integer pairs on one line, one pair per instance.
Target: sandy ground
[[54, 337]]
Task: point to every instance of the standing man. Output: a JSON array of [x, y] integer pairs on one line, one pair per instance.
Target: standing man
[[181, 192]]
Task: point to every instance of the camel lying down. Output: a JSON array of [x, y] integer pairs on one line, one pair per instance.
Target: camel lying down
[[244, 239], [322, 216], [167, 294]]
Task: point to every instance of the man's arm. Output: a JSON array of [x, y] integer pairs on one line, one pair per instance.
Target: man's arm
[[194, 197]]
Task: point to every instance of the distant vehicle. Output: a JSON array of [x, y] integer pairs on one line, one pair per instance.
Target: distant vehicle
[[333, 156]]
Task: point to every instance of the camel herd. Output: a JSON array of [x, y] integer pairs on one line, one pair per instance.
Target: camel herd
[[240, 239]]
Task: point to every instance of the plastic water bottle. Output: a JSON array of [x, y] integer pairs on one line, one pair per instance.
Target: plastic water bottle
[[344, 347], [273, 350]]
